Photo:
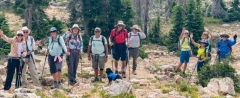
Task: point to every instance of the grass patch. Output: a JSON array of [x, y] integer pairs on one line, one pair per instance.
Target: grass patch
[[65, 75], [38, 61], [153, 81], [1, 62], [58, 94], [183, 87], [41, 94], [136, 86], [158, 86], [173, 85], [211, 20], [86, 96], [66, 89], [166, 90]]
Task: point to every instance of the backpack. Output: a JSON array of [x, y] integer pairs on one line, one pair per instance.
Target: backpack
[[115, 35], [229, 46], [103, 41], [134, 35], [58, 40]]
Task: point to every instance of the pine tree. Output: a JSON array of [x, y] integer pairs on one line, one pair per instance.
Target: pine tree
[[178, 23], [234, 12], [154, 35], [5, 47]]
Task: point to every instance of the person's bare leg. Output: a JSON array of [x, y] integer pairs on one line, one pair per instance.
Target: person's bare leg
[[59, 76], [123, 66], [185, 67], [101, 73], [116, 65], [96, 72], [178, 67], [54, 76]]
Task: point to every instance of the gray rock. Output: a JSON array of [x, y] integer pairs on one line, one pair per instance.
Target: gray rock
[[229, 96], [73, 96], [173, 93], [119, 86], [206, 96], [226, 86], [47, 81], [135, 81], [152, 69], [25, 90], [3, 70], [162, 77], [167, 68], [2, 79], [178, 79], [26, 95], [6, 95]]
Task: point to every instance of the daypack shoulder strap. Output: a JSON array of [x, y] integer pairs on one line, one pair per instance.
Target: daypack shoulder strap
[[183, 40], [103, 42]]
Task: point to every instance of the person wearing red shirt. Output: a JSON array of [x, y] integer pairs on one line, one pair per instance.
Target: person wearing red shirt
[[119, 42]]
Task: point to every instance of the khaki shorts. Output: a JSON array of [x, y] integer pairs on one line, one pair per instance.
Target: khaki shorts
[[98, 64]]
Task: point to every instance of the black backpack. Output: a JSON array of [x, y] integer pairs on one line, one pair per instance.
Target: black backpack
[[103, 41], [58, 40], [134, 35]]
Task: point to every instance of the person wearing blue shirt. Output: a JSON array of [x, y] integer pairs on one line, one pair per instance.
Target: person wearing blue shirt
[[56, 48], [224, 46]]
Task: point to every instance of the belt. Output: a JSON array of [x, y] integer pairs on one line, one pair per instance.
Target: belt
[[74, 50], [133, 48], [14, 58]]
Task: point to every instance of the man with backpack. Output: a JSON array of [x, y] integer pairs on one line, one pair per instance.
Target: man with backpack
[[134, 40], [31, 45], [75, 49], [185, 52], [119, 42], [98, 52], [224, 46], [56, 49]]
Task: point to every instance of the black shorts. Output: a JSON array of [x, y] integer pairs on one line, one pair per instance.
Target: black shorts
[[120, 51], [54, 66]]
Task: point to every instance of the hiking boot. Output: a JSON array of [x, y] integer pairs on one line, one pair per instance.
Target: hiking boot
[[95, 79], [183, 75], [55, 85], [134, 72], [116, 72], [124, 74], [59, 85]]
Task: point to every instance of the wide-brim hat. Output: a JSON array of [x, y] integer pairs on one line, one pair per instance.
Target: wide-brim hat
[[121, 23], [97, 28], [20, 32], [53, 29], [25, 28], [224, 35], [76, 26], [204, 41], [135, 27]]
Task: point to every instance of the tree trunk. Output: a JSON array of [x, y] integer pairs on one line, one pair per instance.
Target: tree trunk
[[167, 9], [217, 9], [137, 4], [146, 19]]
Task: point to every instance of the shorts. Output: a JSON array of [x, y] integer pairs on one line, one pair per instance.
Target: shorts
[[120, 51], [98, 63], [54, 66], [185, 56]]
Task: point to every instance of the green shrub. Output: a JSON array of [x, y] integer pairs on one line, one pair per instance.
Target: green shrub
[[219, 70], [211, 20], [164, 91], [142, 53], [183, 87]]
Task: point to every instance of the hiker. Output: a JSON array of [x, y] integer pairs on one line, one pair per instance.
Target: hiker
[[224, 46], [15, 61], [56, 49], [65, 37], [75, 50], [185, 50], [208, 37], [202, 52], [98, 47], [31, 45], [118, 40], [134, 40]]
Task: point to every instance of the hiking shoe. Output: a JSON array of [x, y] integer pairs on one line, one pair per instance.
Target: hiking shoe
[[116, 72], [183, 75], [124, 74], [100, 79], [134, 72], [55, 85], [95, 79], [59, 85]]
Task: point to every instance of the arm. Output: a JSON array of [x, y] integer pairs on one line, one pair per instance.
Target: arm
[[232, 42], [194, 43], [127, 38], [34, 46], [209, 33], [5, 38], [63, 44], [183, 30], [142, 35], [110, 37], [81, 44], [89, 48]]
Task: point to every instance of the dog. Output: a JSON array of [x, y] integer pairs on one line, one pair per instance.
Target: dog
[[112, 76]]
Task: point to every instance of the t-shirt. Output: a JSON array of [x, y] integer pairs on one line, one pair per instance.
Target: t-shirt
[[119, 38], [201, 52], [185, 46], [20, 49], [134, 40], [97, 46]]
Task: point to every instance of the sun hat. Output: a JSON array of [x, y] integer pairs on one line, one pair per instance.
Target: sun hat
[[97, 28], [20, 32], [121, 23], [25, 28], [224, 35], [76, 26], [186, 31], [135, 27], [204, 41], [53, 29]]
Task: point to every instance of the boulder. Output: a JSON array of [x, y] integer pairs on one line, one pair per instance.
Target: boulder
[[135, 81], [6, 94], [3, 70], [2, 79], [178, 79], [162, 77], [228, 96], [24, 90], [119, 86], [47, 81], [152, 69], [26, 95]]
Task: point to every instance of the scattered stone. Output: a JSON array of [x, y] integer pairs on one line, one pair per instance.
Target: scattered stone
[[173, 93], [24, 90], [2, 79], [178, 79], [205, 96], [26, 95], [152, 69], [229, 96], [135, 81], [73, 96], [143, 84], [171, 53], [162, 77], [6, 94], [167, 68], [3, 70], [119, 86], [47, 81], [225, 25]]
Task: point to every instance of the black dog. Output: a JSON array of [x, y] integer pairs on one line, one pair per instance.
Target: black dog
[[112, 76]]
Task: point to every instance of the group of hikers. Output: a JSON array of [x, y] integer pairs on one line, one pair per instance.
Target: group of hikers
[[123, 44]]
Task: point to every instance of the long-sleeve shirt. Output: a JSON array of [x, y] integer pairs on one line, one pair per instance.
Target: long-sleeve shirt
[[74, 43], [224, 46], [14, 46], [134, 39], [54, 48], [66, 35]]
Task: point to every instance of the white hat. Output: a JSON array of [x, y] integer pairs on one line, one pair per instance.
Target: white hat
[[186, 31], [135, 27], [120, 23], [19, 32], [25, 28], [76, 26], [97, 28]]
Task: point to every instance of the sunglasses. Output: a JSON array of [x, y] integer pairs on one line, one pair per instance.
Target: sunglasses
[[25, 32], [224, 36], [19, 35], [97, 31]]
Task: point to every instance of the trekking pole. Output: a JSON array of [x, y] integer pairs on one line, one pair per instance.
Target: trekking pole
[[44, 66], [81, 68], [19, 73], [128, 63], [192, 73], [112, 59]]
